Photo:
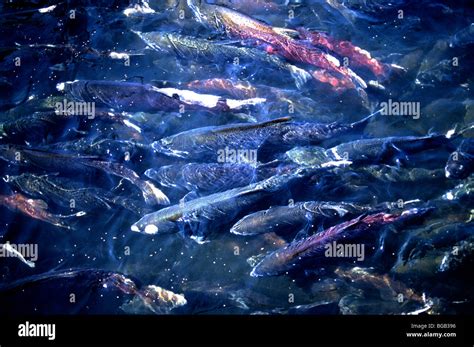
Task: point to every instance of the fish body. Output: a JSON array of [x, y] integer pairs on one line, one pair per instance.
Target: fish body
[[62, 191], [137, 97], [201, 216], [72, 164], [104, 148], [356, 55], [313, 248], [238, 89], [34, 208], [368, 151], [49, 126], [191, 48], [35, 128], [204, 144], [215, 177], [391, 174], [291, 218], [240, 26], [212, 177], [379, 149]]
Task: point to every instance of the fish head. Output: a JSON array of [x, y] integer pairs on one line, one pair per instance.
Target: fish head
[[277, 263], [150, 225], [256, 223], [247, 225]]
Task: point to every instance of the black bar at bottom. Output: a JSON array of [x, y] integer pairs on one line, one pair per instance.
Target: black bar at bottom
[[291, 330]]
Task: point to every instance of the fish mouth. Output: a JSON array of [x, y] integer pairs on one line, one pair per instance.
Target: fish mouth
[[135, 228], [153, 195], [149, 229], [236, 229]]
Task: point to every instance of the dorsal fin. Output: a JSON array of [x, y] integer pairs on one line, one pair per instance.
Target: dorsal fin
[[236, 127]]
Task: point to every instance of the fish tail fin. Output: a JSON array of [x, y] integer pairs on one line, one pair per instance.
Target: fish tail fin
[[153, 195]]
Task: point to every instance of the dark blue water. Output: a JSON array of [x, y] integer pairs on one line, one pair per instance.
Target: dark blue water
[[73, 40]]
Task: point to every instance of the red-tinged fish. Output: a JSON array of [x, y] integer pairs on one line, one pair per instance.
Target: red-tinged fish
[[275, 40], [313, 248], [358, 57], [203, 50], [35, 208]]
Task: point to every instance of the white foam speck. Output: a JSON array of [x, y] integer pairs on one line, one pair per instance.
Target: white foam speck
[[206, 100], [47, 9], [336, 163], [239, 103], [60, 86], [450, 133], [144, 8], [116, 55], [449, 196], [131, 125], [151, 229]]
